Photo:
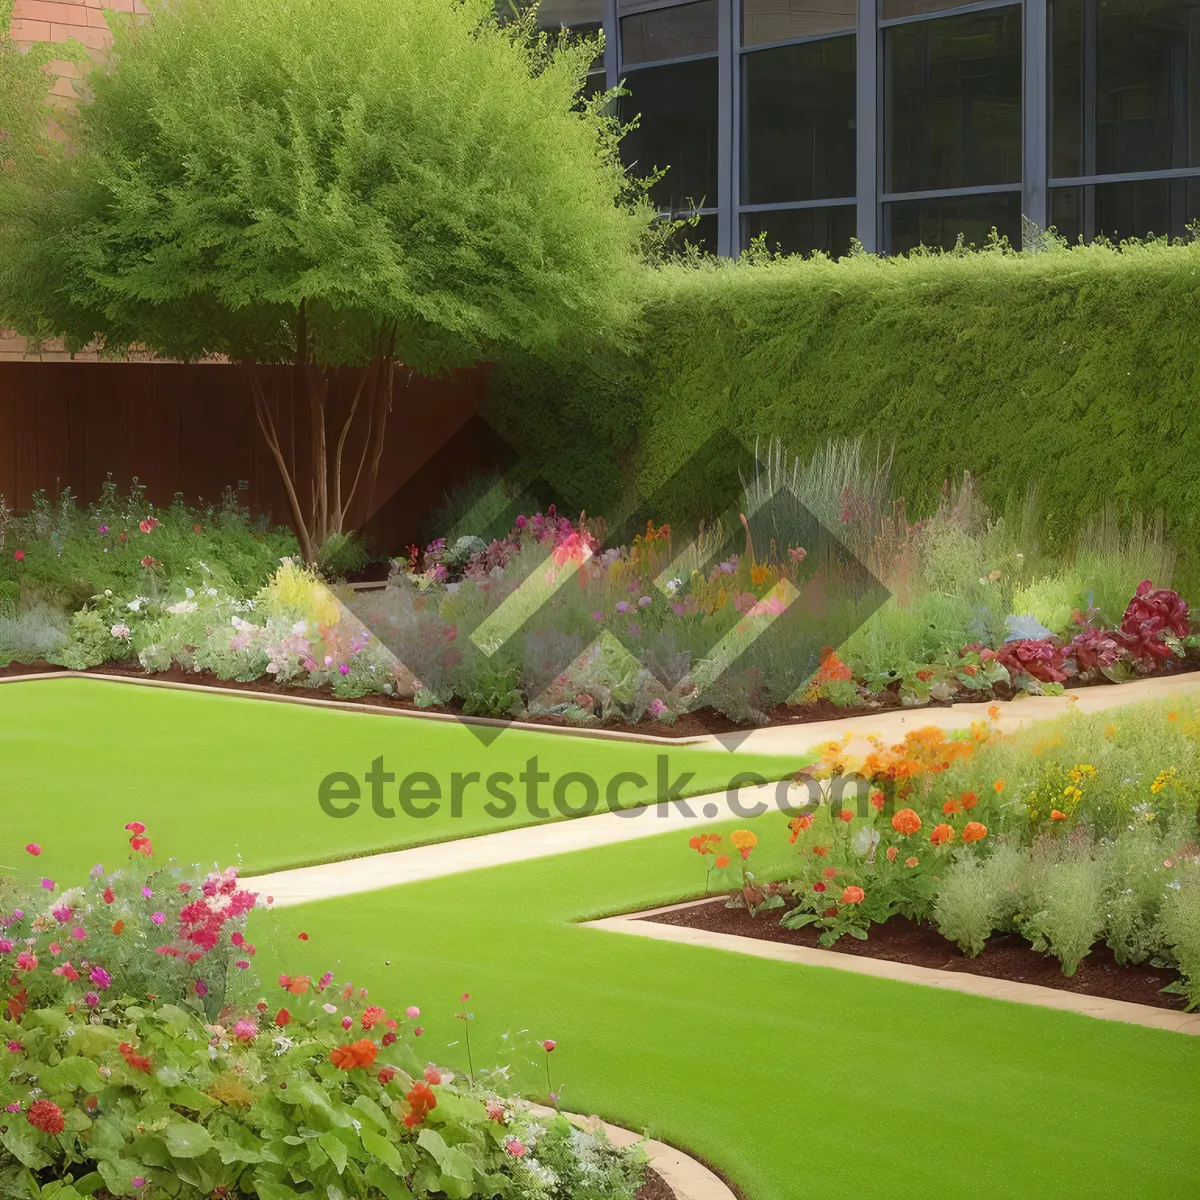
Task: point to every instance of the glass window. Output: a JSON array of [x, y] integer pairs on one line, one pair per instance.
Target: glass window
[[572, 13], [778, 20], [1137, 209], [1145, 116], [702, 235], [941, 222], [669, 33], [804, 230], [953, 101], [799, 109], [890, 9], [678, 129]]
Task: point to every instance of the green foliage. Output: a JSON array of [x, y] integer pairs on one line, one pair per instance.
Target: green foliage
[[1181, 929], [1072, 370], [979, 895], [422, 180], [341, 553]]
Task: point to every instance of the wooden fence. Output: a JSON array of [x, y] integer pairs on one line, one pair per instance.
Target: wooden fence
[[191, 429]]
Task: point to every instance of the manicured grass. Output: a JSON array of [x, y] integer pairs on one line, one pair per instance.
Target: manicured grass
[[214, 777], [795, 1081]]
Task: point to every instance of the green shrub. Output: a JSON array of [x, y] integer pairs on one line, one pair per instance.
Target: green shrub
[[1181, 930], [979, 895], [1074, 371]]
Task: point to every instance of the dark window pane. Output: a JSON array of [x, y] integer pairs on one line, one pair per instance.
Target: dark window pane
[[678, 129], [941, 222], [804, 230], [670, 33], [953, 111], [1066, 87], [799, 112], [574, 14], [1066, 212], [779, 20], [702, 235], [1145, 60], [914, 8]]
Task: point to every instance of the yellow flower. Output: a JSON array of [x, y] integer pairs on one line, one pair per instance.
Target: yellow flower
[[743, 839], [758, 574], [1163, 780]]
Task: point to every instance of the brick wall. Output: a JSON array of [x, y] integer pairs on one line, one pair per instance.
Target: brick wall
[[80, 21]]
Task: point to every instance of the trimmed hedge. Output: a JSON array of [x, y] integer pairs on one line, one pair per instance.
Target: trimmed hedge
[[1073, 371]]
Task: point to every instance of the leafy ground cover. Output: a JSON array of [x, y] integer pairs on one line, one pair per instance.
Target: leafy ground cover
[[794, 1081], [228, 776]]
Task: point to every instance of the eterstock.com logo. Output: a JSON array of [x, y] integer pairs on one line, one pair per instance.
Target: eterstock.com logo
[[550, 610], [382, 793]]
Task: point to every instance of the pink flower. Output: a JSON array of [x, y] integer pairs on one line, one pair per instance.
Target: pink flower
[[346, 1022], [91, 999], [67, 972], [19, 555], [5, 946], [101, 978], [79, 933], [657, 707], [147, 892], [48, 885], [34, 849], [26, 961], [15, 1047], [241, 964], [245, 1030], [412, 1012], [12, 1108], [515, 1148], [548, 1046], [61, 913], [138, 1181], [136, 827], [201, 988], [55, 949], [158, 918]]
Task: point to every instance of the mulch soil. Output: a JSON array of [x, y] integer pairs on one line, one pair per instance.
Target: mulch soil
[[1007, 956]]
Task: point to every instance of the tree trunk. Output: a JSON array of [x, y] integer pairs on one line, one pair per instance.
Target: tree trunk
[[323, 504]]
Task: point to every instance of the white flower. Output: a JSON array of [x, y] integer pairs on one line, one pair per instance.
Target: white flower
[[120, 631], [300, 627], [283, 1044], [135, 605], [183, 606], [673, 585], [188, 593]]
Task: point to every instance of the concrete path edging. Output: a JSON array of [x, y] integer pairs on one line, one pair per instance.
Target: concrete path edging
[[687, 1178], [956, 981]]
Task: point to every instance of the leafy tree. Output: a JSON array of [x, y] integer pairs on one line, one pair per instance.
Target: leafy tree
[[357, 184]]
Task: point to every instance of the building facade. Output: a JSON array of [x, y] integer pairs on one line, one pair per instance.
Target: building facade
[[907, 122]]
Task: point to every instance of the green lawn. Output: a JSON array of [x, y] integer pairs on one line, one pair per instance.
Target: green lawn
[[214, 776], [795, 1081]]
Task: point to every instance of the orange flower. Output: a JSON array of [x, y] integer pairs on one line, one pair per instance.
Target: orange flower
[[798, 826], [877, 801], [820, 851], [299, 985], [906, 821], [998, 786], [830, 872], [994, 711], [891, 853], [356, 1054], [722, 863], [951, 807], [853, 895], [974, 832], [943, 834], [139, 1062], [911, 862], [118, 927], [846, 815], [1055, 815], [969, 799]]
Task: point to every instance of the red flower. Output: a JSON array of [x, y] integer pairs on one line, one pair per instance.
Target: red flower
[[846, 815], [1043, 661], [283, 1018], [942, 834], [141, 845], [139, 1062], [149, 562], [906, 821], [891, 853], [925, 676], [830, 872], [1152, 614], [357, 1054], [820, 851], [19, 555], [818, 886], [373, 1015], [109, 895], [386, 1075], [118, 927], [46, 1116], [196, 529], [877, 801], [421, 1100]]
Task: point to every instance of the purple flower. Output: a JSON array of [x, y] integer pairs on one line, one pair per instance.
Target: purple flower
[[623, 606], [138, 1181], [147, 892], [101, 978], [597, 615], [645, 602], [48, 884], [635, 630], [14, 1107], [657, 707], [201, 988], [97, 871], [344, 669], [677, 609], [157, 918], [102, 530], [91, 999]]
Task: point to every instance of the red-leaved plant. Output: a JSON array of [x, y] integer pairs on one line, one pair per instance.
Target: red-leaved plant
[[1044, 661], [1154, 616]]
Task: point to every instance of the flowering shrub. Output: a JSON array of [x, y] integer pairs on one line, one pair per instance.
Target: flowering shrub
[[140, 1057]]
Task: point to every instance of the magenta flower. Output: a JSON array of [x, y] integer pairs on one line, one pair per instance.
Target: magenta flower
[[241, 964], [138, 1181], [245, 1030], [147, 892], [61, 913], [13, 1108], [657, 707], [79, 933], [91, 999], [15, 1047], [344, 669], [201, 988], [5, 946], [158, 918], [102, 530], [34, 849], [48, 884], [101, 978]]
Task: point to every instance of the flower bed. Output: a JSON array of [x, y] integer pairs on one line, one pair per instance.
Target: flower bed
[[141, 1057], [550, 622], [1075, 834]]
